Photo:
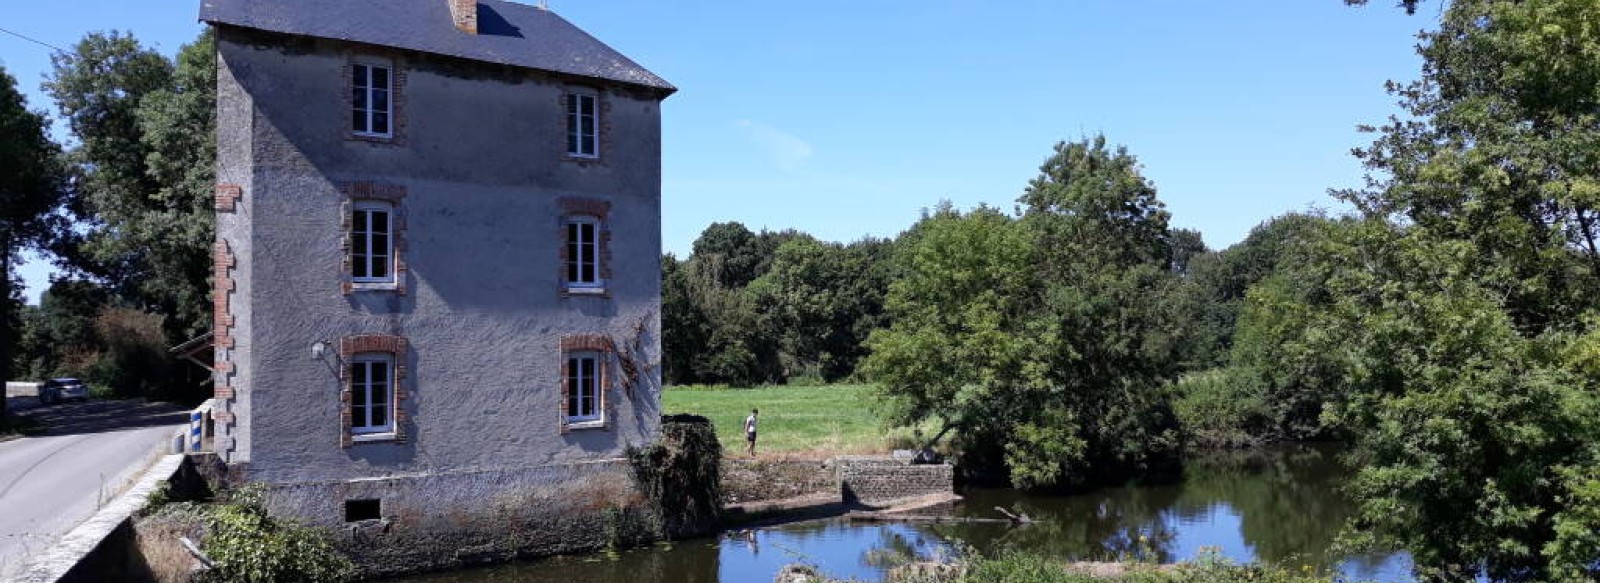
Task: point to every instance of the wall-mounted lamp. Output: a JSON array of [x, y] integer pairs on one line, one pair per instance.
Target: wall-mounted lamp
[[319, 349]]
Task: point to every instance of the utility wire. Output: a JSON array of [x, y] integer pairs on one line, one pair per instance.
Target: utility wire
[[33, 40]]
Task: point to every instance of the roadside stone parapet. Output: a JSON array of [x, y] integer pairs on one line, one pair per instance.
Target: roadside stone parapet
[[873, 480], [103, 544]]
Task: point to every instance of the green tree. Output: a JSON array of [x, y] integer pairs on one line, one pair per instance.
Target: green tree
[[954, 353], [822, 299], [64, 329], [735, 247], [712, 333], [1499, 147], [144, 167], [1101, 204], [1038, 337], [1475, 436], [1467, 431], [684, 327], [31, 189]]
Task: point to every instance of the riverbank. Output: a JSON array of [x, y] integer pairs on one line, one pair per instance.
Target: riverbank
[[1280, 508], [1023, 568]]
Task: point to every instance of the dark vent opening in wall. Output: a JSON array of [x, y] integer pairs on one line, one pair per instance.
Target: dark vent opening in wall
[[364, 509]]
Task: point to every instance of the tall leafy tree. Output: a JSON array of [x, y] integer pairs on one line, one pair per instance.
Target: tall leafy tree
[[822, 299], [1476, 424], [1500, 148], [1037, 336], [31, 182], [955, 353], [1098, 201], [144, 166]]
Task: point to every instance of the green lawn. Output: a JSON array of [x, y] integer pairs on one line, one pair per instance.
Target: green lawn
[[798, 420]]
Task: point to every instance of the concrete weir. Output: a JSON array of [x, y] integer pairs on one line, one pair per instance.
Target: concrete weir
[[872, 480]]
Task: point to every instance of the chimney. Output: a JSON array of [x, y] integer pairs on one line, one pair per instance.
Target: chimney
[[464, 13]]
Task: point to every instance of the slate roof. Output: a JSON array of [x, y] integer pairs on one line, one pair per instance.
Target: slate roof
[[508, 33]]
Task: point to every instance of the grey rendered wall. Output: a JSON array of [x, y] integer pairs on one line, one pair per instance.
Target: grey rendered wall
[[481, 160], [235, 160]]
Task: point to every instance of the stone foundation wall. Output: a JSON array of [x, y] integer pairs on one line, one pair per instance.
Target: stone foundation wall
[[438, 521], [871, 480]]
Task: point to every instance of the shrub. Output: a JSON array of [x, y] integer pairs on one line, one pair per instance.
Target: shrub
[[1221, 408], [681, 475], [134, 361], [1025, 568], [250, 546]]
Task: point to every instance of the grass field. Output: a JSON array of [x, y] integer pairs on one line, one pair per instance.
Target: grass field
[[794, 420]]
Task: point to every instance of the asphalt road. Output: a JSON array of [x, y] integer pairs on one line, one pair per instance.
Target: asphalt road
[[51, 482]]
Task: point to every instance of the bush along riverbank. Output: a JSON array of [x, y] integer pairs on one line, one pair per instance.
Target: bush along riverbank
[[1025, 568], [238, 542]]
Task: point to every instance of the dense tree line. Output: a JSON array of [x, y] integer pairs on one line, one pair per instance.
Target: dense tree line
[[748, 308]]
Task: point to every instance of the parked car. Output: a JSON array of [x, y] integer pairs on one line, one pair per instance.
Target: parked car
[[58, 390]]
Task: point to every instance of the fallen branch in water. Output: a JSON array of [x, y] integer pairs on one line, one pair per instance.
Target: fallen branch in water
[[861, 516], [1016, 518]]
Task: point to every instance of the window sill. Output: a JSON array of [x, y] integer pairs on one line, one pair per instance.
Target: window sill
[[374, 286], [373, 437], [389, 140], [597, 424], [586, 291]]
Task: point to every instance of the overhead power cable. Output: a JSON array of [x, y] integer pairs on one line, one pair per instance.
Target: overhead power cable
[[32, 40]]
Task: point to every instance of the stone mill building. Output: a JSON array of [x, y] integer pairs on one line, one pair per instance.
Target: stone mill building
[[437, 273]]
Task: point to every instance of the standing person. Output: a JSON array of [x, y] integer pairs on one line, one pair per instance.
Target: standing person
[[750, 432]]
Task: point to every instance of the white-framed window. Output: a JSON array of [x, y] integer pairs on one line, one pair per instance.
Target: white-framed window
[[371, 103], [372, 393], [583, 252], [583, 387], [371, 242], [583, 123]]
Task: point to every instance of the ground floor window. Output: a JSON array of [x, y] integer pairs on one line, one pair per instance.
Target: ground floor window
[[371, 394], [583, 387]]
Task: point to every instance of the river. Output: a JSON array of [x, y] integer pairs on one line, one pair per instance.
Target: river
[[1280, 506]]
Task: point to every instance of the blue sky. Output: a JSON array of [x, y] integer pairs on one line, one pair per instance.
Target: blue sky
[[845, 118]]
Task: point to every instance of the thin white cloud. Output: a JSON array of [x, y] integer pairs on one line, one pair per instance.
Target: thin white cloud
[[787, 151]]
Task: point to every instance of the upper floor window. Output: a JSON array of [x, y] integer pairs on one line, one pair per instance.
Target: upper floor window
[[371, 107], [372, 393], [583, 136], [583, 252], [371, 242], [583, 387]]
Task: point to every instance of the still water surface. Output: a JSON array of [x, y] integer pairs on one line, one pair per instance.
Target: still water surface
[[1280, 507]]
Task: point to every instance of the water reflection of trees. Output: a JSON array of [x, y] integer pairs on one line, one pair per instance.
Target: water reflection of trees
[[1109, 524], [1287, 501]]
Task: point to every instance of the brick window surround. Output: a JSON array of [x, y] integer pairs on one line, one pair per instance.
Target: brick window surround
[[373, 191], [592, 343], [397, 99], [396, 347], [600, 211], [602, 129]]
